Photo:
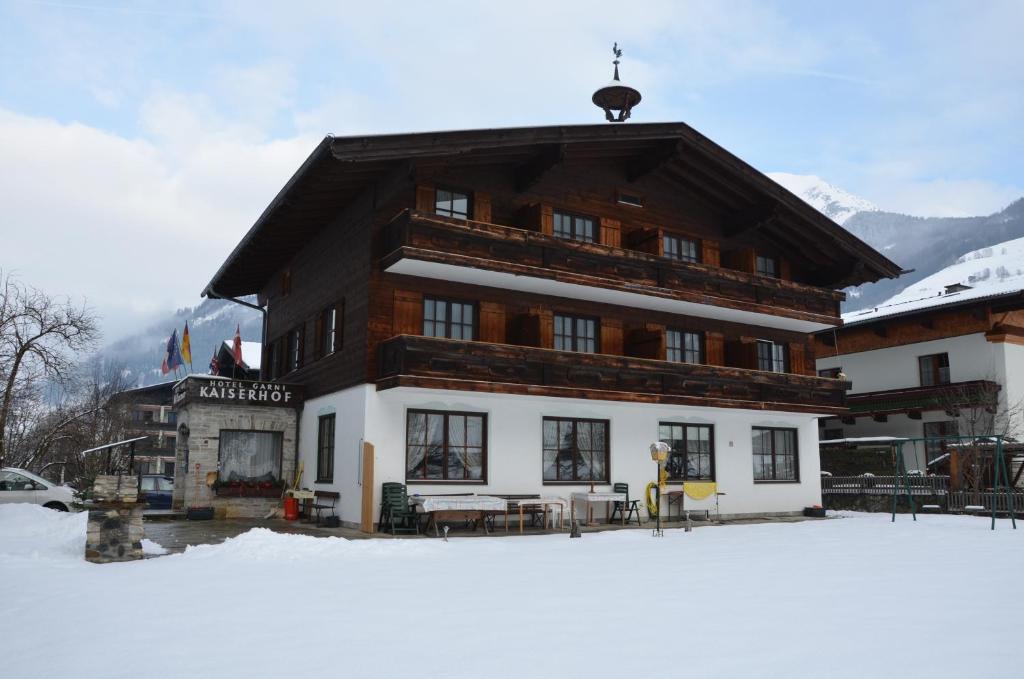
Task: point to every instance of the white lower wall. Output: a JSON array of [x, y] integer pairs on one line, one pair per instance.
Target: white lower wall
[[349, 409]]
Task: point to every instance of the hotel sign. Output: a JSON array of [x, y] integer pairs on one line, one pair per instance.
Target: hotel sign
[[237, 392]]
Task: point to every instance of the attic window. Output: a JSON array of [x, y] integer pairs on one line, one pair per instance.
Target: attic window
[[631, 200], [956, 287]]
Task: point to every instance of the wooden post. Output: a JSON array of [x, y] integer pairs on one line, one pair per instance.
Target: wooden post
[[366, 523]]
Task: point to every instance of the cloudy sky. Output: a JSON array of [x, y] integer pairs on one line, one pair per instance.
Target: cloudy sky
[[139, 141]]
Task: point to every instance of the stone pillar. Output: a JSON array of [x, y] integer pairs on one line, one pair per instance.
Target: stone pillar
[[115, 524]]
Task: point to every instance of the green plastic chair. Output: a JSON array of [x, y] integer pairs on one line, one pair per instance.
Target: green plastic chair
[[395, 511]]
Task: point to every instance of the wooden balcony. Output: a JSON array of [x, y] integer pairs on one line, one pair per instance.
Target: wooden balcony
[[915, 400], [415, 361], [428, 245]]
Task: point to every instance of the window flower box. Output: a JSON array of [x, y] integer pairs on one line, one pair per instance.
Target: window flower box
[[248, 488]]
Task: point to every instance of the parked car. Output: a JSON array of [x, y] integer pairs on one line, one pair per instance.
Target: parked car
[[18, 485], [155, 490]]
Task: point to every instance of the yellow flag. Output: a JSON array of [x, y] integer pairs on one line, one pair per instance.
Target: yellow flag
[[186, 347]]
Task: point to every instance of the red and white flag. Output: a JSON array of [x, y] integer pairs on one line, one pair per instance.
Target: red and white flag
[[236, 350]]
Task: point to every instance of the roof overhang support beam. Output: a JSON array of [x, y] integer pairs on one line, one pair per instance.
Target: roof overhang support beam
[[648, 163], [531, 172]]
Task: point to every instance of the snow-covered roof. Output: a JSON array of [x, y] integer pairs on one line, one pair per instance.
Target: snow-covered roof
[[252, 352], [904, 307]]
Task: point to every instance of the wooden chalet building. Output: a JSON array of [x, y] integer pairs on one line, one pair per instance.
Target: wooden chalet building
[[526, 310], [946, 365]]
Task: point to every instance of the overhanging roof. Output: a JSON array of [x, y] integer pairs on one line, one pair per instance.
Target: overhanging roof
[[339, 169]]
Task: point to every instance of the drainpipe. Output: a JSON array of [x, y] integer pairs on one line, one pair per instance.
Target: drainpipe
[[213, 294]]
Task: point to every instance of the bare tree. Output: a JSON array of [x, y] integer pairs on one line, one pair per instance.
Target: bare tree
[[39, 338], [980, 414]]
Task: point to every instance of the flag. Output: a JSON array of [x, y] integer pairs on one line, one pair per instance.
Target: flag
[[186, 347], [172, 359], [214, 364], [236, 350]]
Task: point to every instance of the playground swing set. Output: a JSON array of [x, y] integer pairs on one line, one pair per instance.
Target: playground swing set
[[1000, 473]]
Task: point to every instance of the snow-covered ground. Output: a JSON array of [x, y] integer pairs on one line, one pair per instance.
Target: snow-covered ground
[[853, 597]]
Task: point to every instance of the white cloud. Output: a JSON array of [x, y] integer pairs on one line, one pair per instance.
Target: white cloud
[[945, 197], [132, 226]]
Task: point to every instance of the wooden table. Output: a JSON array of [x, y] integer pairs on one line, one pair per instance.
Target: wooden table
[[542, 502], [457, 508], [590, 498]]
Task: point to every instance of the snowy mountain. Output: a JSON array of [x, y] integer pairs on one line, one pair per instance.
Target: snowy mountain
[[830, 200], [930, 245], [989, 270], [209, 324]]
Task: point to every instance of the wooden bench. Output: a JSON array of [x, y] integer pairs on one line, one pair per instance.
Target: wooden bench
[[324, 501]]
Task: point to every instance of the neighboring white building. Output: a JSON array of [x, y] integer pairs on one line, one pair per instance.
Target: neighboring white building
[[944, 365]]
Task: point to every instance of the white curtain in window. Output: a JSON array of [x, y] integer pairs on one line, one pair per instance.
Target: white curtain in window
[[250, 455]]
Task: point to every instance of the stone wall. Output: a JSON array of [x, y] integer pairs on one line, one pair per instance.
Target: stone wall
[[115, 533], [197, 454]]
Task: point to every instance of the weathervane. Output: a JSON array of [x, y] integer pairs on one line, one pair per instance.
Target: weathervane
[[615, 98]]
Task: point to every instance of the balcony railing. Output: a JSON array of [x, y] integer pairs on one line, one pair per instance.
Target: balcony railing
[[868, 484], [973, 393], [522, 252], [409, 360]]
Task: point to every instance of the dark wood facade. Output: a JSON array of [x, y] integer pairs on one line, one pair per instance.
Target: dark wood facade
[[373, 200]]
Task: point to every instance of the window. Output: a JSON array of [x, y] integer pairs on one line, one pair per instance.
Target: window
[[575, 450], [767, 266], [13, 481], [934, 369], [684, 347], [171, 417], [574, 227], [680, 249], [250, 456], [446, 318], [775, 457], [445, 446], [771, 356], [830, 372], [294, 356], [631, 199], [575, 333], [330, 325], [169, 469], [325, 449], [451, 203], [692, 455], [936, 430]]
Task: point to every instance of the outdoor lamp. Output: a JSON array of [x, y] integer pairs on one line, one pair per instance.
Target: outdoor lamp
[[659, 453]]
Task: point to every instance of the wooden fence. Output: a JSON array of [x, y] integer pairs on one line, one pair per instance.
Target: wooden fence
[[960, 500], [883, 485]]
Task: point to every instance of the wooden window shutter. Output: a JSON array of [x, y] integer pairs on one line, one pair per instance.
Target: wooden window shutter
[[709, 253], [408, 313], [714, 348], [425, 198], [318, 341], [492, 322], [749, 259], [611, 232], [785, 271], [537, 328], [611, 336], [647, 341], [482, 206], [538, 217], [797, 356], [339, 325]]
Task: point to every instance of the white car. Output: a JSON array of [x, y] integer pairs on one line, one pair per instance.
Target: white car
[[18, 485]]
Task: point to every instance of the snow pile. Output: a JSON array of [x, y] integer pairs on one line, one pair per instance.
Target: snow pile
[[150, 548], [779, 599], [830, 200], [34, 532]]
